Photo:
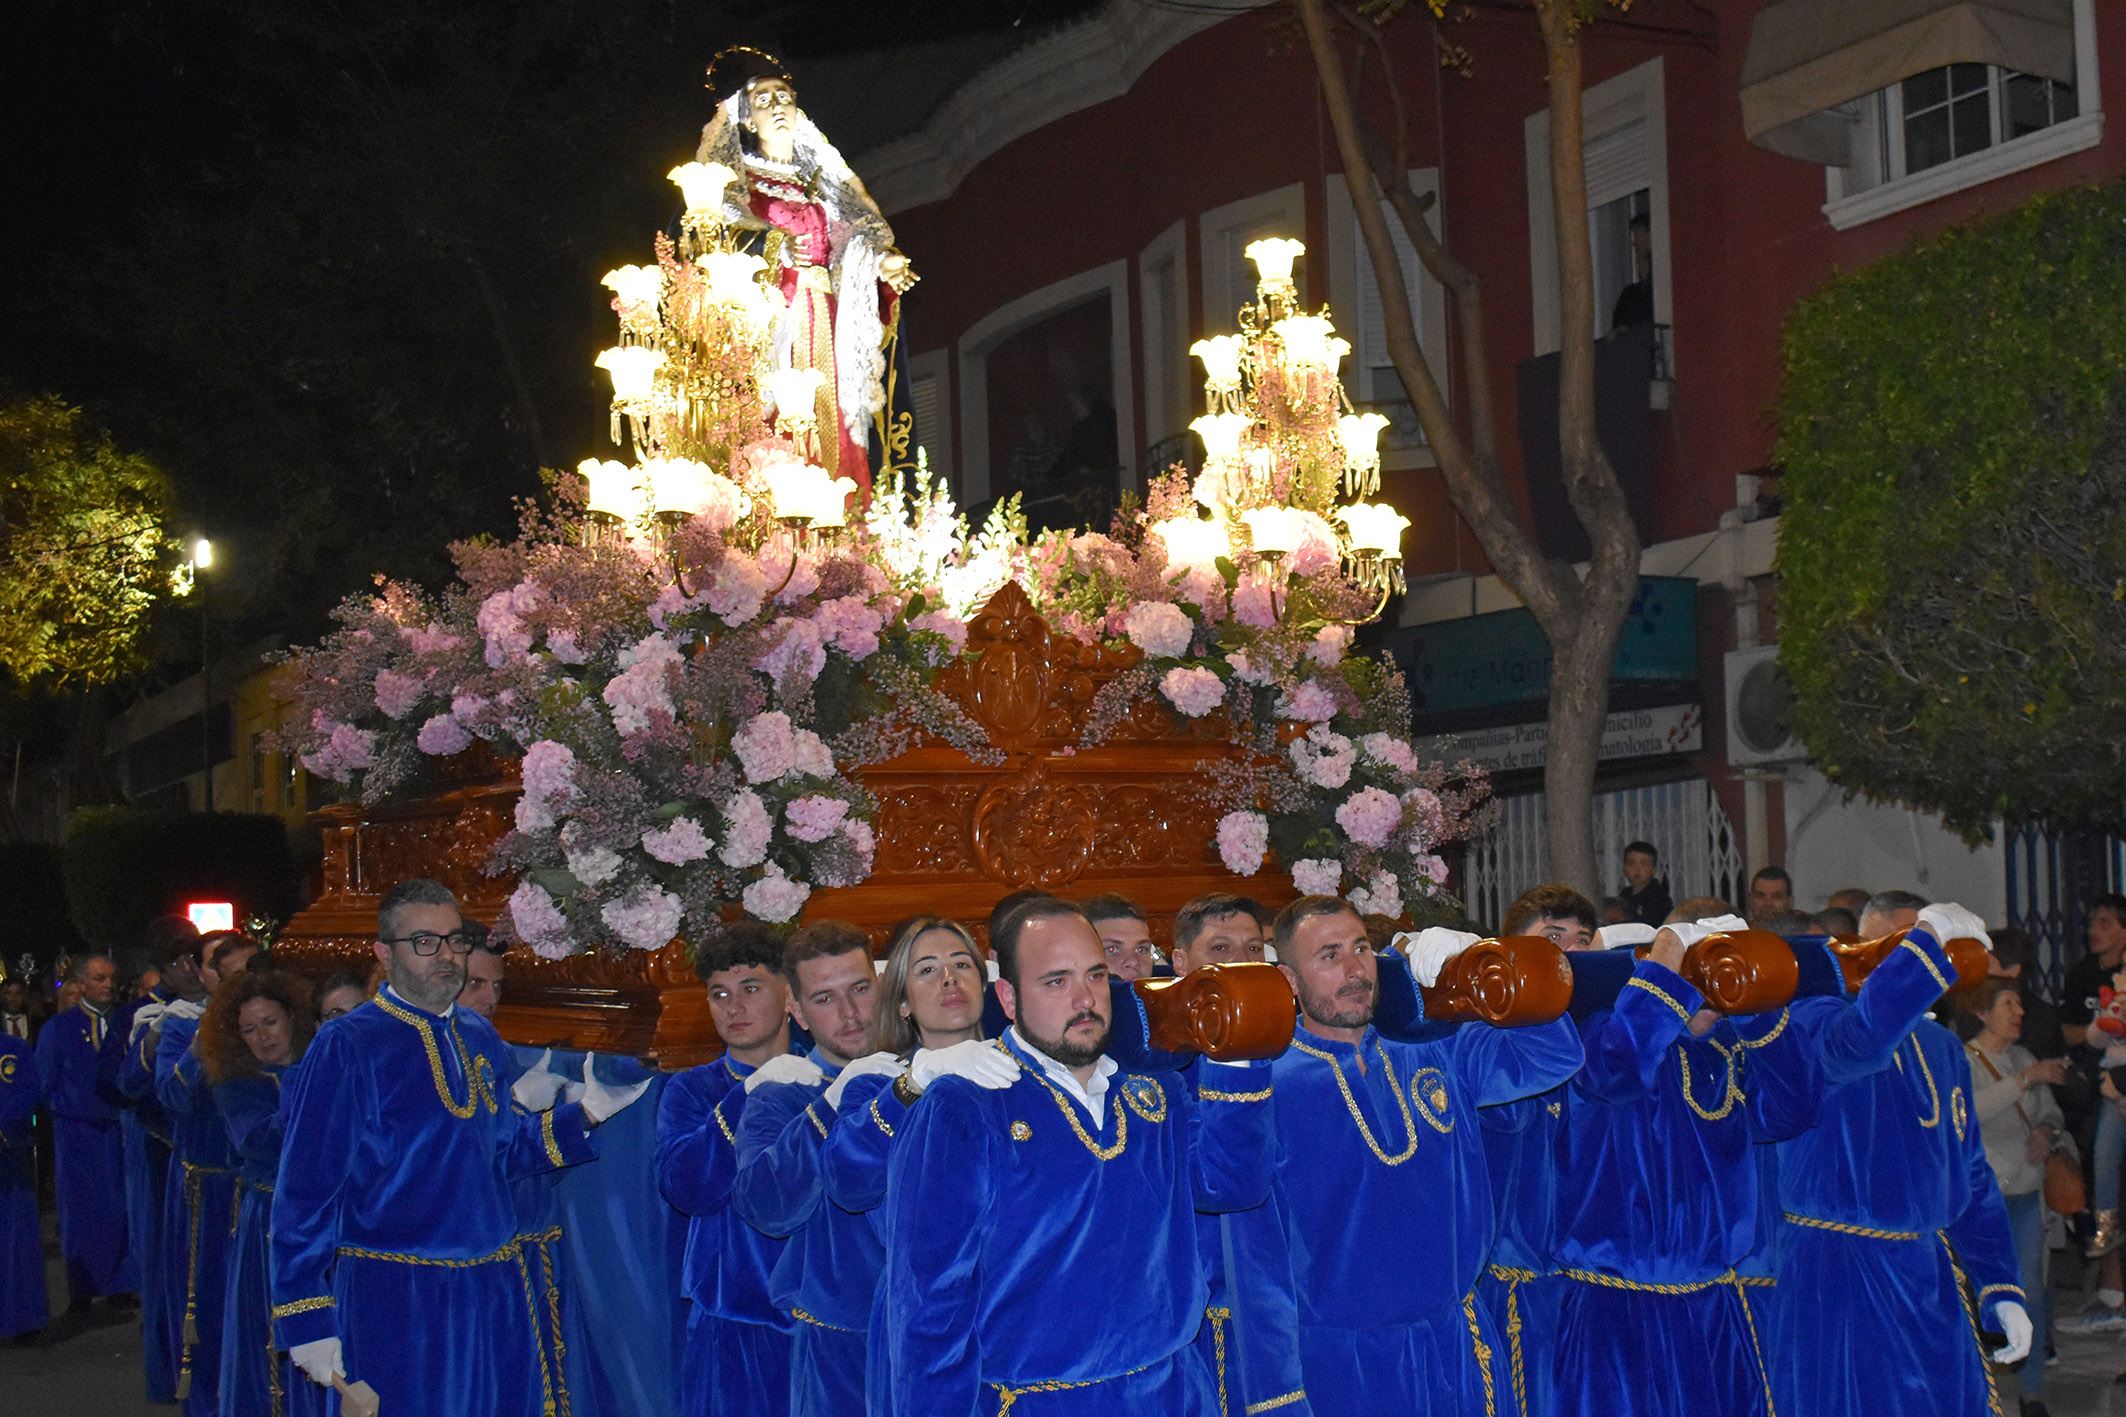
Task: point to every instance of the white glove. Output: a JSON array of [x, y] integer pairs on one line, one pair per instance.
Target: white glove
[[184, 1008], [144, 1019], [540, 1086], [1430, 948], [1722, 925], [1953, 922], [320, 1359], [1610, 937], [2015, 1319], [602, 1101], [786, 1067], [983, 1064], [875, 1065]]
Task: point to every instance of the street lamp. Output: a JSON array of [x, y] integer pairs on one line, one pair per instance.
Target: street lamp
[[202, 558]]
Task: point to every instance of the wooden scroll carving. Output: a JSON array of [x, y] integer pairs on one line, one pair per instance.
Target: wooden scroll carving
[[954, 837]]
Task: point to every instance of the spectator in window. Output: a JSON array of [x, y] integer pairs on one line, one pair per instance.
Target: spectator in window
[[1635, 302], [1645, 896], [2021, 1125], [1771, 891]]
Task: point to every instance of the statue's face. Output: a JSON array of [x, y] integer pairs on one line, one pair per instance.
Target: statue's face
[[774, 116]]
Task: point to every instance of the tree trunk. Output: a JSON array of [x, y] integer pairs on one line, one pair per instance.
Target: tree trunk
[[1581, 620]]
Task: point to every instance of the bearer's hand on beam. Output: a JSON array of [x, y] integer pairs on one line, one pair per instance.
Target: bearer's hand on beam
[[540, 1086], [319, 1359], [601, 1101]]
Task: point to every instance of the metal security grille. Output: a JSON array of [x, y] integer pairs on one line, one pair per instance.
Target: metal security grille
[[1700, 853], [2051, 877]]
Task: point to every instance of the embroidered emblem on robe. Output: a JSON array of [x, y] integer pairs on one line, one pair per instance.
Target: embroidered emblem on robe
[[1428, 1090], [1021, 1132], [1145, 1097]]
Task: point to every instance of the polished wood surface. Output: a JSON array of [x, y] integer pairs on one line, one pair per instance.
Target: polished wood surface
[[1233, 1013], [1130, 815], [1741, 971], [1858, 958], [1510, 981]]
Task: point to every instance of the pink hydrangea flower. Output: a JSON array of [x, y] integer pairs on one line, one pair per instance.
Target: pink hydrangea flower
[[861, 838], [538, 921], [1317, 876], [433, 640], [1381, 895], [1204, 588], [1317, 552], [670, 602], [1309, 703], [643, 685], [774, 560], [814, 817], [737, 589], [1427, 817], [1370, 816], [533, 817], [442, 736], [764, 746], [500, 619], [1246, 670], [396, 693], [646, 918], [1162, 631], [1331, 642], [940, 622], [810, 755], [679, 843], [1390, 752], [1243, 841], [851, 624], [746, 830], [1193, 691], [1432, 869], [1253, 605], [774, 897], [562, 645], [592, 865], [1323, 758], [549, 773], [797, 650]]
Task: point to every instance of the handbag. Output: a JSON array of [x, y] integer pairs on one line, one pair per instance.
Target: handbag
[[2065, 1190]]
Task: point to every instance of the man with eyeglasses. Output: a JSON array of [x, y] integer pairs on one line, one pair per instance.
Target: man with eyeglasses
[[395, 1256]]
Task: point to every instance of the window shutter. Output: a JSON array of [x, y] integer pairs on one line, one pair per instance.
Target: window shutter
[[927, 396], [1618, 163], [1370, 341]]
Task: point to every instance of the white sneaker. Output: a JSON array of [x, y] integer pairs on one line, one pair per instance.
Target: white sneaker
[[2099, 1317]]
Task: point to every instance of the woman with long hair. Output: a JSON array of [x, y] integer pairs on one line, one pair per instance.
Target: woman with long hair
[[255, 1029]]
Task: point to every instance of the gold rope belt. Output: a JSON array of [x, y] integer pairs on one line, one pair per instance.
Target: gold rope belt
[[1841, 1228], [1008, 1395], [195, 1178]]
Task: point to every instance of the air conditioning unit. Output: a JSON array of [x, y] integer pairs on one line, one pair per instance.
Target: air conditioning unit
[[1760, 710]]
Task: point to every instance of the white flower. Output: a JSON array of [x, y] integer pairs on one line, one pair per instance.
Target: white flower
[[1317, 876], [1159, 629]]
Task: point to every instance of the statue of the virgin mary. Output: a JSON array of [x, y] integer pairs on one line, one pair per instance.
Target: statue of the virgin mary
[[826, 241]]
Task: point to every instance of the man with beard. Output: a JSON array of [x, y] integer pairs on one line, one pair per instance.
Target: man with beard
[[995, 1288], [394, 1251], [1374, 1130]]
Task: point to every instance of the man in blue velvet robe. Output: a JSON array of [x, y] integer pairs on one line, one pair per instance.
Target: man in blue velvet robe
[[199, 1201], [89, 1160], [22, 1301], [1002, 1283], [1892, 1212], [394, 1255], [827, 1272], [736, 1354], [1658, 1194], [128, 1067], [1383, 1176]]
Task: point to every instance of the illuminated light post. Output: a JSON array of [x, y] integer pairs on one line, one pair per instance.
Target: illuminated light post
[[202, 558]]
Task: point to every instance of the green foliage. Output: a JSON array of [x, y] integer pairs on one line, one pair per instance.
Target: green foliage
[[83, 553], [1953, 552], [125, 867]]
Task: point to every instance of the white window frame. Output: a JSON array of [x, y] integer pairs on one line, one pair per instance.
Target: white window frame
[[1349, 265], [1167, 401], [1228, 278], [985, 334], [934, 364], [1636, 95], [2085, 130]]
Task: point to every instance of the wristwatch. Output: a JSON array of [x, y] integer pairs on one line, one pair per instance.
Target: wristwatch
[[904, 1087]]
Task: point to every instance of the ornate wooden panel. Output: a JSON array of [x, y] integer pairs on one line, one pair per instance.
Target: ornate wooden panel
[[1130, 815]]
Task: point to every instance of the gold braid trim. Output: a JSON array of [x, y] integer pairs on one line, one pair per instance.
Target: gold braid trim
[[1483, 1355], [1218, 1317], [1635, 982], [1730, 1090], [1844, 1229], [513, 1250], [531, 1313], [477, 1091], [1963, 1290], [1006, 1396], [721, 1124], [802, 1317], [301, 1306], [1992, 1289], [1213, 1095], [1785, 1015], [194, 1181], [1271, 1404], [1932, 1091], [1100, 1153], [546, 1137], [1906, 944], [817, 1125], [1764, 1374], [552, 1235], [883, 1124], [1611, 1281], [1351, 1103]]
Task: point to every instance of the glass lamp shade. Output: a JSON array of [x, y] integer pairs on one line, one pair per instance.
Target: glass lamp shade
[[613, 488], [678, 485], [1221, 359], [1360, 435], [1309, 342], [1375, 526], [634, 370], [1191, 542], [702, 184], [796, 394], [636, 286], [732, 276], [794, 489], [1221, 434], [831, 509], [1276, 531], [1273, 257]]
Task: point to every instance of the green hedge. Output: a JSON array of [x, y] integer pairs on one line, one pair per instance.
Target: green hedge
[[1953, 550], [124, 867]]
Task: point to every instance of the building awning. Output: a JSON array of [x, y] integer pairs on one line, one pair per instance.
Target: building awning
[[1808, 56]]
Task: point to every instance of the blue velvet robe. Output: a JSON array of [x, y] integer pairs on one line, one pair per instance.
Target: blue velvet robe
[[1659, 1205], [89, 1156], [128, 1068], [22, 1302], [199, 1209], [393, 1201], [854, 1170], [827, 1274], [561, 1332], [1387, 1196], [1007, 1274], [736, 1359], [1520, 1287], [256, 1378], [1890, 1207]]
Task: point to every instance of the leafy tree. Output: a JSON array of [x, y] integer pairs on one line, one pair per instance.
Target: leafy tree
[[1953, 550], [1581, 617], [83, 553]]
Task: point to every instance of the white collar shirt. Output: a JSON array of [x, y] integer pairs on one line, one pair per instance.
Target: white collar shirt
[[1091, 1096]]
